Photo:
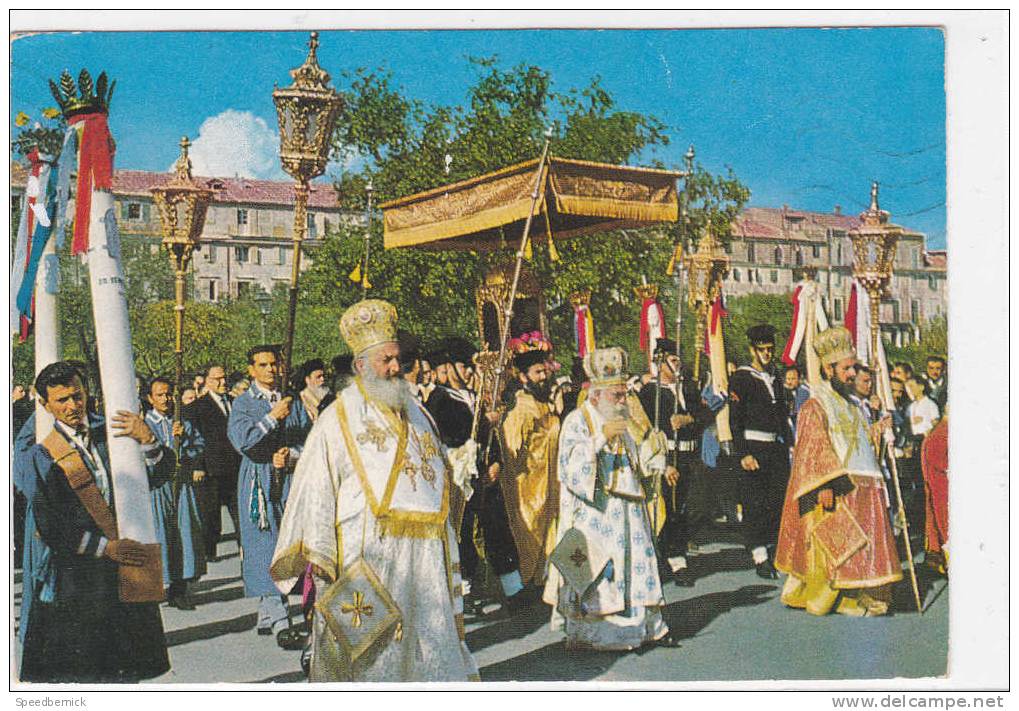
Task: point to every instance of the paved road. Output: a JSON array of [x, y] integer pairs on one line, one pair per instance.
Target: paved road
[[732, 621]]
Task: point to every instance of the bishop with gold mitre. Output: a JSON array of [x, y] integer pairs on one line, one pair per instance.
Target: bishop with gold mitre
[[835, 541], [368, 509]]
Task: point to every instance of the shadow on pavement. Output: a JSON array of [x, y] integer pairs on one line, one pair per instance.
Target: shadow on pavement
[[552, 662], [931, 587], [287, 678], [211, 630], [726, 560], [515, 627]]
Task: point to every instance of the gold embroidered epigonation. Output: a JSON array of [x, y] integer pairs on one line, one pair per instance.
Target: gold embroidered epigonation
[[427, 450], [374, 433]]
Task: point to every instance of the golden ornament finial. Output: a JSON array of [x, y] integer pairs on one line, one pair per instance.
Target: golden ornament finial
[[183, 167], [873, 197], [310, 75]]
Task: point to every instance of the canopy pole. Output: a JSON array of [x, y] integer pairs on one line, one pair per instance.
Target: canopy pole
[[501, 363]]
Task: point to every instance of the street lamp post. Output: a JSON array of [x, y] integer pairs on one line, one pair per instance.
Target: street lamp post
[[264, 302], [306, 111], [874, 243], [182, 204]]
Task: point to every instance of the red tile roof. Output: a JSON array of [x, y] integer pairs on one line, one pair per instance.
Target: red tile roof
[[936, 258], [229, 190], [778, 223]]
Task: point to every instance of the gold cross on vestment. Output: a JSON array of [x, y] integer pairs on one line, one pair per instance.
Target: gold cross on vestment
[[411, 471], [428, 448], [358, 607], [374, 434]]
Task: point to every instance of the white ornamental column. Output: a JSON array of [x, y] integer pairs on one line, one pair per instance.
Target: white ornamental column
[[116, 369]]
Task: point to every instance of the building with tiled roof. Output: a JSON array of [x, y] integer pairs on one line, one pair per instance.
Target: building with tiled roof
[[246, 243], [770, 245]]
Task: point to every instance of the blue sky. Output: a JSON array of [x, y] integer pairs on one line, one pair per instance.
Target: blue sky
[[806, 117]]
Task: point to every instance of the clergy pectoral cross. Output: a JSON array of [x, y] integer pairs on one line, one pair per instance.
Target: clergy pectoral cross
[[358, 607], [578, 558], [374, 434]]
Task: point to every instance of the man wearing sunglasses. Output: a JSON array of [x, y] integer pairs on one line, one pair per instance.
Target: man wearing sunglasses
[[759, 418]]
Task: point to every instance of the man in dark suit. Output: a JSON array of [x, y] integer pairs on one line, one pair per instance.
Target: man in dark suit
[[75, 628], [219, 461]]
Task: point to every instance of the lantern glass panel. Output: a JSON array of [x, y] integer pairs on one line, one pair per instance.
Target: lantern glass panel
[[288, 121], [872, 260], [181, 208], [311, 132]]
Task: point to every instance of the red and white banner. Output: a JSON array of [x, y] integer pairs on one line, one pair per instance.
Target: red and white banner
[[805, 295]]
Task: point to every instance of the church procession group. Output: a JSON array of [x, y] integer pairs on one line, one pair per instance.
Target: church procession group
[[371, 500], [411, 492]]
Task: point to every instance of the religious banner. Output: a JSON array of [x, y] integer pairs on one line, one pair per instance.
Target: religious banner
[[583, 323], [97, 241]]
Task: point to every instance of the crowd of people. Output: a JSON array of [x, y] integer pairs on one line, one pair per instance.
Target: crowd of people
[[393, 495]]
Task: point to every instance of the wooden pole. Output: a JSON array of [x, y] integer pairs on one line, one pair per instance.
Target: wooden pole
[[300, 227], [880, 366], [535, 193]]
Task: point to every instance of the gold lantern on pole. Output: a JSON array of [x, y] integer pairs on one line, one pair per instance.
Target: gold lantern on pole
[[874, 243], [705, 269], [182, 205], [306, 111]]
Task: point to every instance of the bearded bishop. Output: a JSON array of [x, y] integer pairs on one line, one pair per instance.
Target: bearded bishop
[[368, 510], [604, 584], [835, 541]]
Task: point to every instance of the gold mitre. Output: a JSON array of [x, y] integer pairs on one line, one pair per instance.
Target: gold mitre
[[606, 366], [834, 345], [368, 323]]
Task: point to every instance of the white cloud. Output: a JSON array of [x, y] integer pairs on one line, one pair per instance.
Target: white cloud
[[242, 144], [237, 143]]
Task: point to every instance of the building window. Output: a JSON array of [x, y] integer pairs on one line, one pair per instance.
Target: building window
[[916, 258], [312, 227], [735, 275], [282, 255], [895, 312], [750, 253], [778, 256], [241, 255], [213, 289], [243, 289], [210, 253], [242, 217], [774, 276], [838, 309], [839, 253], [258, 256], [816, 250], [728, 247], [914, 311], [799, 257], [932, 283], [134, 211]]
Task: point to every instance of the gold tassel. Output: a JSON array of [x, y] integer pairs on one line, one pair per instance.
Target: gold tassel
[[553, 253], [528, 252], [367, 284], [677, 256], [355, 276]]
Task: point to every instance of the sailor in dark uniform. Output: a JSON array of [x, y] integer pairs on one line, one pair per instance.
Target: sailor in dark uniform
[[688, 501], [452, 405], [759, 419]]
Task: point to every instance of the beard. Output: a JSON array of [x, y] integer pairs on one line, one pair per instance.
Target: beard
[[845, 389], [541, 391], [318, 391], [395, 393], [612, 410]]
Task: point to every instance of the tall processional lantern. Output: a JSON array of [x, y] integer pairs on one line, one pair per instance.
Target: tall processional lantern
[[874, 243], [307, 111], [705, 270], [182, 205]]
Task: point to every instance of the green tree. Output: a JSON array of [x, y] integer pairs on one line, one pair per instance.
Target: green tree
[[503, 121]]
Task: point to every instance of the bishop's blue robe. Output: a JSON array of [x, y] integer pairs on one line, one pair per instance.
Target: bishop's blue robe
[[178, 525], [257, 436]]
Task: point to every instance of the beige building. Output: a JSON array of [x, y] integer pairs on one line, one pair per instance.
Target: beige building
[[770, 245], [246, 243]]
